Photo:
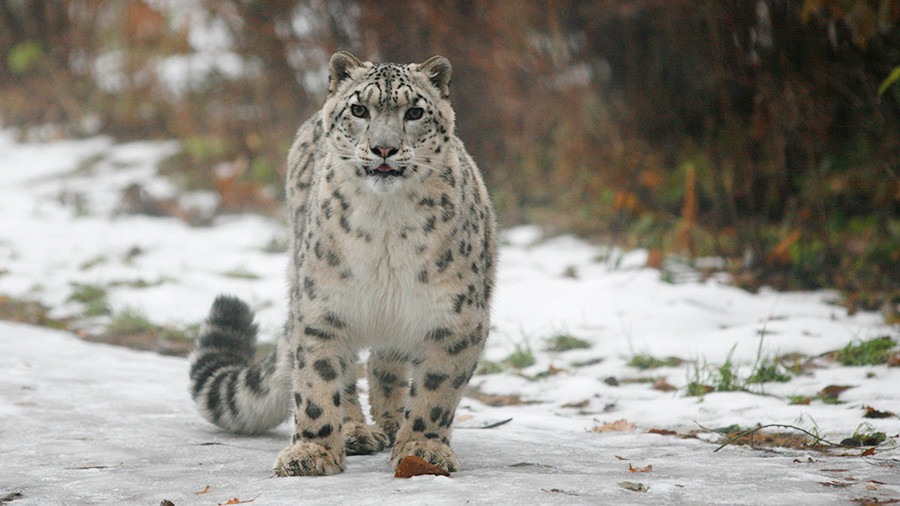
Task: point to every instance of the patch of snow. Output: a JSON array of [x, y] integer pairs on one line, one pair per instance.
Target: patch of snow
[[91, 424]]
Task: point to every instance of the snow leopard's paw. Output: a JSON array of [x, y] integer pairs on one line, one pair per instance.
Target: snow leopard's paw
[[305, 458], [362, 439], [429, 450]]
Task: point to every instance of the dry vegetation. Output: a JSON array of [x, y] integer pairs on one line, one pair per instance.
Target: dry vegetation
[[765, 133]]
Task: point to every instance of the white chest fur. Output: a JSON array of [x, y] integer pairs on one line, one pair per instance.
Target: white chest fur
[[385, 303]]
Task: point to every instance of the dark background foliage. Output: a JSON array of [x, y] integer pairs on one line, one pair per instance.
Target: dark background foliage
[[764, 133]]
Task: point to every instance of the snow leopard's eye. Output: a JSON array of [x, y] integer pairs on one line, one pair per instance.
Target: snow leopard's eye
[[359, 111], [414, 113]]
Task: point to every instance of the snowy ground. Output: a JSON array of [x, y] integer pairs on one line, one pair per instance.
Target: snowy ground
[[84, 423]]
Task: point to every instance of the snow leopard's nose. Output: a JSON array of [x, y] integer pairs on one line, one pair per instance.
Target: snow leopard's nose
[[384, 151]]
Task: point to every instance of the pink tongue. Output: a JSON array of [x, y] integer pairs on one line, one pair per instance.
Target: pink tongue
[[384, 168]]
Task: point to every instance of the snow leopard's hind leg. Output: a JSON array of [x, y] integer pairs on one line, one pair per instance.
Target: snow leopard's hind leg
[[388, 390], [360, 438], [229, 390]]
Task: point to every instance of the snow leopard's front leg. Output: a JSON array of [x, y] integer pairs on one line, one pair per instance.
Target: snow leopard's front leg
[[447, 364], [320, 365]]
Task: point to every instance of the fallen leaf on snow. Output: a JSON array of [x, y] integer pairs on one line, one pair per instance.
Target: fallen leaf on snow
[[894, 361], [497, 400], [662, 432], [634, 487], [617, 426], [873, 501], [833, 391], [763, 439], [835, 484], [463, 418], [662, 385], [647, 469], [236, 501], [415, 466], [868, 453], [553, 371], [205, 490], [874, 413], [619, 457], [577, 405]]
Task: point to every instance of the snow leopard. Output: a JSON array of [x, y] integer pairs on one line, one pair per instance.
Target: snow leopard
[[392, 257]]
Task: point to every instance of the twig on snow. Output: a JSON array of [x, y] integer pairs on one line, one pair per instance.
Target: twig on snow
[[816, 438]]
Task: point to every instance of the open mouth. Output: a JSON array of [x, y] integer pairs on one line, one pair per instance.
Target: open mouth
[[384, 170]]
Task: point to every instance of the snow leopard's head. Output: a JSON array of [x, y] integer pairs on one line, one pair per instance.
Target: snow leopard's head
[[388, 122]]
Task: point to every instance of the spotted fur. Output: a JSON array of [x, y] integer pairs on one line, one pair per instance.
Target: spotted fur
[[393, 250]]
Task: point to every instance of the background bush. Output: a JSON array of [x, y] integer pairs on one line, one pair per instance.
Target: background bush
[[766, 133]]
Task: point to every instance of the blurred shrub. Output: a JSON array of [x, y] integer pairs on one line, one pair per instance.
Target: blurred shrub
[[764, 132]]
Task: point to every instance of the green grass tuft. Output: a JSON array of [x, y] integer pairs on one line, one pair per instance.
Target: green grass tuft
[[644, 361], [728, 379], [521, 358], [94, 298], [129, 321], [486, 367], [566, 342], [872, 352], [704, 378], [241, 273], [865, 435], [769, 370], [131, 328]]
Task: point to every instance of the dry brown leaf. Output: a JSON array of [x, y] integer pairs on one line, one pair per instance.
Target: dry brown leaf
[[236, 501], [205, 490], [662, 385], [647, 469], [497, 400], [835, 484], [577, 405], [894, 359], [762, 439], [662, 432], [868, 453], [619, 457], [617, 426], [553, 371], [833, 391], [874, 413], [414, 466]]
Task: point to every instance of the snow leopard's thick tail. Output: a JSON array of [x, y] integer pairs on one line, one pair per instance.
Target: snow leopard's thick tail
[[229, 390]]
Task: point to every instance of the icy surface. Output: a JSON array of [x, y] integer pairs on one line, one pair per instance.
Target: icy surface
[[91, 424]]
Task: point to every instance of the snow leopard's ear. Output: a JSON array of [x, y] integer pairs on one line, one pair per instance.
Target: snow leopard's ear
[[438, 70], [339, 68]]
